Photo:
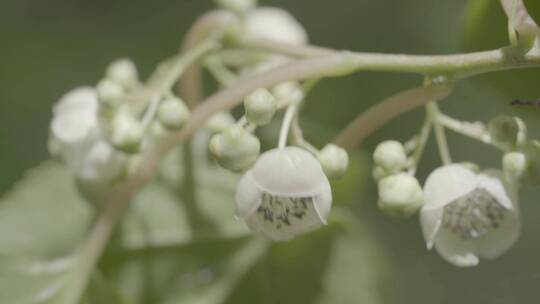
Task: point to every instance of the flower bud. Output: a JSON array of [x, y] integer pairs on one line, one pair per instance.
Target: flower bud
[[110, 93], [507, 132], [123, 72], [173, 113], [235, 149], [400, 195], [220, 122], [334, 161], [126, 133], [237, 6], [390, 156], [274, 24], [515, 166], [260, 107], [289, 91]]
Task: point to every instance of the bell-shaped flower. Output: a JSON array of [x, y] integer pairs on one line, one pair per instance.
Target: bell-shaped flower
[[274, 24], [468, 215], [78, 140], [285, 194]]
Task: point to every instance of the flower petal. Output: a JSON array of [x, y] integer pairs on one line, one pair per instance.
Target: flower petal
[[323, 201], [80, 99], [430, 221], [248, 196], [501, 239], [289, 172], [448, 183], [456, 250], [495, 183], [274, 24]]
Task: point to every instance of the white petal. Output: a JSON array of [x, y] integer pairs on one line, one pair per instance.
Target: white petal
[[248, 196], [80, 99], [102, 163], [289, 172], [494, 182], [274, 24], [498, 241], [323, 201], [456, 250], [446, 184], [430, 221], [502, 238]]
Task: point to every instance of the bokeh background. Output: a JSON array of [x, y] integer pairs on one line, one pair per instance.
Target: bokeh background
[[49, 47]]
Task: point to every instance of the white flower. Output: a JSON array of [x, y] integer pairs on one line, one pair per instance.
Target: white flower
[[274, 24], [285, 194], [468, 216], [78, 141]]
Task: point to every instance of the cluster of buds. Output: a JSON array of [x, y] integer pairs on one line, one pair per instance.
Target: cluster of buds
[[400, 193], [97, 131]]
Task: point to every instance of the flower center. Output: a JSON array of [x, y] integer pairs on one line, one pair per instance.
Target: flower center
[[473, 215], [283, 211]]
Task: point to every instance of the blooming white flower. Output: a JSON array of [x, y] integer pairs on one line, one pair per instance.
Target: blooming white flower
[[285, 194], [274, 24], [468, 216], [75, 131]]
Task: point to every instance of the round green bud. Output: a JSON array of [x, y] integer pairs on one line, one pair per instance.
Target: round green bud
[[220, 122], [334, 160], [515, 166], [235, 149], [507, 132], [123, 72], [237, 6], [126, 133], [390, 155], [260, 107], [173, 113], [400, 195], [110, 94]]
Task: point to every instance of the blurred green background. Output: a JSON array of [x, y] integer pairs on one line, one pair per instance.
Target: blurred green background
[[48, 47]]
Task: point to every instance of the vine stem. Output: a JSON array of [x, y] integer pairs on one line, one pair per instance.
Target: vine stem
[[386, 110]]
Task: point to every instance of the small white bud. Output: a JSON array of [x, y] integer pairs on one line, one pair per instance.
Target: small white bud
[[274, 24], [334, 160], [260, 107], [173, 113], [123, 72], [515, 166], [220, 122], [110, 93], [126, 133], [289, 91], [237, 6], [400, 195], [235, 149], [390, 155], [507, 132]]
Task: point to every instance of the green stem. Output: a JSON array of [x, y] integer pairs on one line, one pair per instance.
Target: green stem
[[458, 65], [440, 136], [473, 130], [420, 145]]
